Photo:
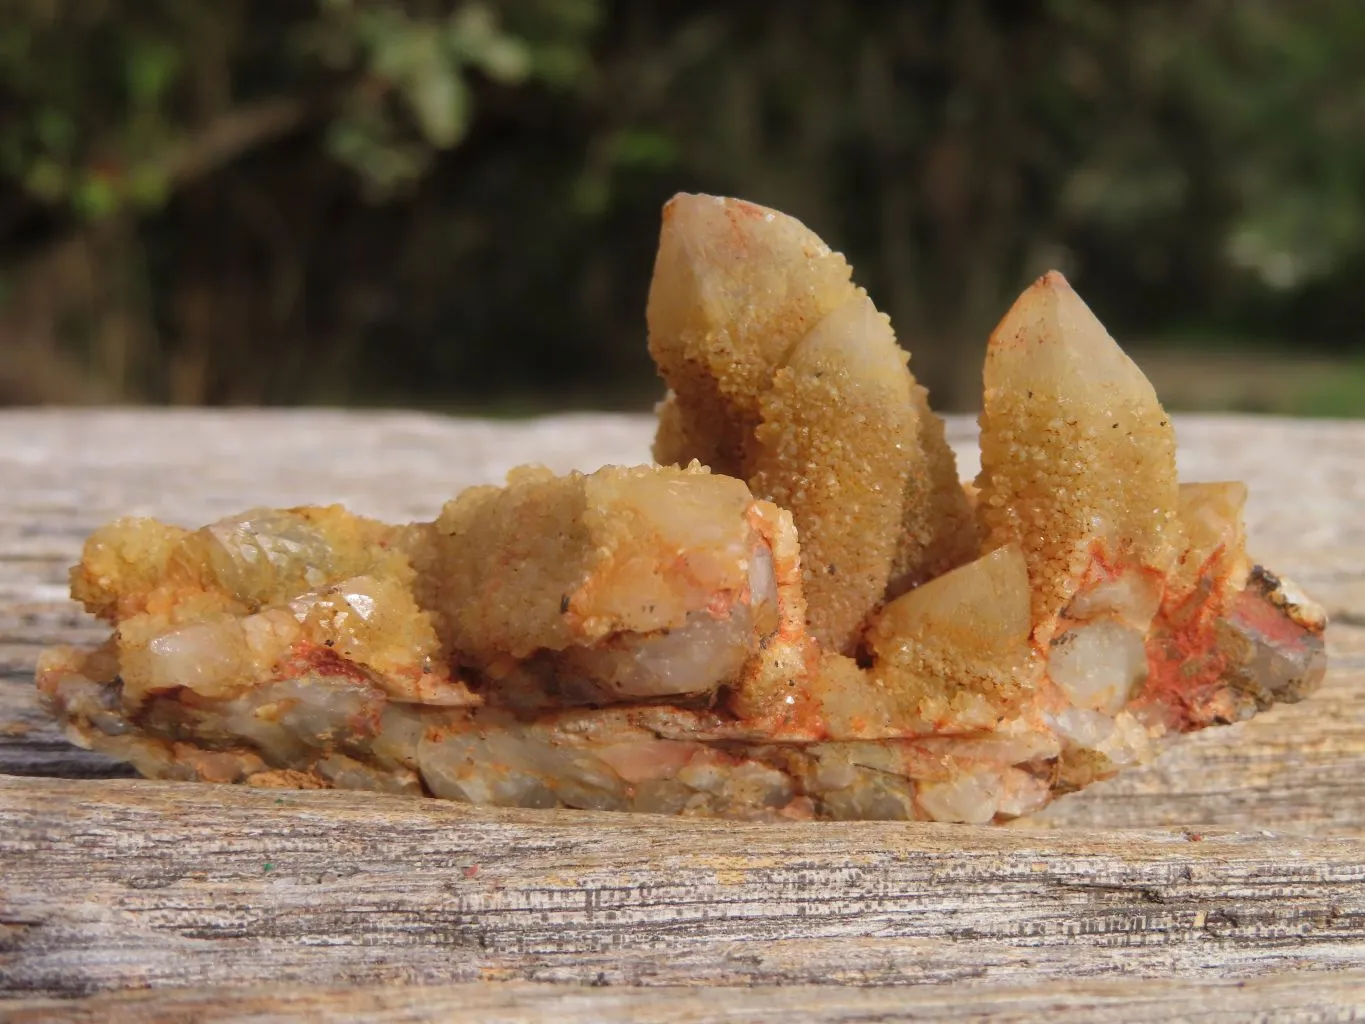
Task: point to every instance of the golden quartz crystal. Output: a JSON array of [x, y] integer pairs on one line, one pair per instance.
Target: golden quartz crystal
[[798, 612]]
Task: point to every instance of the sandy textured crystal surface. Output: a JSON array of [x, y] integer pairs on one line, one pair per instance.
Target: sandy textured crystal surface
[[823, 623], [783, 373], [1077, 455]]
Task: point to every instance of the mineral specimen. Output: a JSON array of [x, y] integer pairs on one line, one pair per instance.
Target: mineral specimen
[[800, 612]]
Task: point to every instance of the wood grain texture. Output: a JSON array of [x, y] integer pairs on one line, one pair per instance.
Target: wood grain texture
[[129, 883], [109, 884], [1300, 997]]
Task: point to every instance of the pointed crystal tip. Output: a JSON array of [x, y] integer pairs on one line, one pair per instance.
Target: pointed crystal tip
[[1050, 336]]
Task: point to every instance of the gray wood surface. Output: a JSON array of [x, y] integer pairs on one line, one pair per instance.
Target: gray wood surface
[[109, 885], [1299, 997]]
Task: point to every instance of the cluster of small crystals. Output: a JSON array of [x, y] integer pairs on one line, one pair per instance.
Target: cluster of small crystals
[[823, 623], [217, 609]]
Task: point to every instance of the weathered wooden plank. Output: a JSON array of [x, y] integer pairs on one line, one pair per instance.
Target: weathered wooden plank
[[117, 884], [125, 884], [1299, 996]]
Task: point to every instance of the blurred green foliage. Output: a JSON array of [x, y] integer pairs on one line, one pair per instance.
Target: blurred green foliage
[[455, 204]]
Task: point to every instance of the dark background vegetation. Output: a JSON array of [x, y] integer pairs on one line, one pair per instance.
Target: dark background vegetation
[[454, 205]]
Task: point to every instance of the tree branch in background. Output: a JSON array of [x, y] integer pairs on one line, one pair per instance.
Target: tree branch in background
[[228, 137]]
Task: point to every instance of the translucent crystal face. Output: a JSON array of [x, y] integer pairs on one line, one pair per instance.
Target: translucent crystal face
[[955, 652], [1051, 342], [982, 606], [263, 551]]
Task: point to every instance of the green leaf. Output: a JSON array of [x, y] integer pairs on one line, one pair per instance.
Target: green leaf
[[441, 102], [55, 130], [147, 188], [95, 197], [560, 65], [474, 36], [150, 69], [505, 59], [398, 46], [470, 29], [382, 164], [47, 180], [643, 148]]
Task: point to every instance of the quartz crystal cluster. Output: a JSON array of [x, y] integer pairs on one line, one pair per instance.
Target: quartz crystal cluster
[[797, 611]]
